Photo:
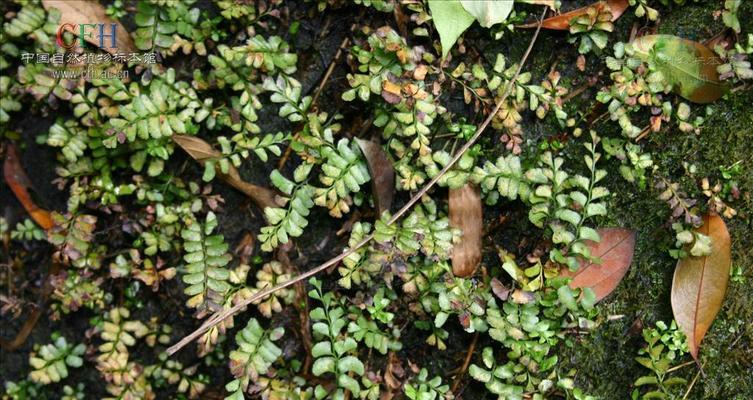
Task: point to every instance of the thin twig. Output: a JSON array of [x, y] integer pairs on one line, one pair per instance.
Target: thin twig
[[692, 383], [466, 362], [224, 314], [319, 89], [331, 68], [31, 321], [676, 367]]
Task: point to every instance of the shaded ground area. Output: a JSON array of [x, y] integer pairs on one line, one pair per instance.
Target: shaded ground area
[[605, 359]]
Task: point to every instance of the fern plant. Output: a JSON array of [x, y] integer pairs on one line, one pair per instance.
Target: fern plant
[[367, 331], [255, 353], [27, 230], [270, 275], [8, 103], [564, 203], [287, 92], [343, 173], [50, 362], [424, 230], [503, 178], [290, 221], [73, 236], [163, 107], [663, 345], [358, 267], [160, 27], [333, 352], [119, 332], [240, 146], [421, 387], [174, 373], [206, 259], [32, 19]]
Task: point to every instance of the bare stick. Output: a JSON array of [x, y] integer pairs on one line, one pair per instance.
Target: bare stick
[[224, 314], [692, 383], [318, 92], [466, 363]]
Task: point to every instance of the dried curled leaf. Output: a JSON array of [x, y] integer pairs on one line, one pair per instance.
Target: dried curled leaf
[[562, 22], [700, 283], [203, 152], [18, 181], [382, 174], [690, 67], [466, 215], [91, 12], [615, 250]]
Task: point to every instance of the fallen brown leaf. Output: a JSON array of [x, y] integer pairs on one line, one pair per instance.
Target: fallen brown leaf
[[700, 283], [615, 249], [391, 92], [501, 291], [562, 22], [91, 12], [522, 296], [466, 215], [19, 183], [202, 151], [382, 174]]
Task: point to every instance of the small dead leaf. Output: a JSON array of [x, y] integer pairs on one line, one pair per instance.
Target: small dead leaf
[[202, 151], [382, 174], [581, 63], [391, 92], [75, 13], [522, 296], [700, 283], [419, 73], [19, 183], [245, 248], [501, 291], [562, 22], [394, 372], [466, 215], [615, 250]]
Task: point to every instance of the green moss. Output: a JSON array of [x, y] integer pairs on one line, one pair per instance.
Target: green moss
[[605, 359]]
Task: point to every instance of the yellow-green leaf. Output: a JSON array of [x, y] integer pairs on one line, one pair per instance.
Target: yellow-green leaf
[[451, 20], [690, 67]]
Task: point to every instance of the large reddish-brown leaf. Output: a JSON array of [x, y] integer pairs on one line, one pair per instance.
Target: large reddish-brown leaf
[[700, 283], [615, 249], [466, 215], [562, 22], [77, 12], [19, 183], [382, 174], [202, 151]]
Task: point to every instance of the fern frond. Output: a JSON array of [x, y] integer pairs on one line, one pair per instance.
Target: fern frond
[[342, 174], [255, 353], [205, 274], [50, 362], [290, 221]]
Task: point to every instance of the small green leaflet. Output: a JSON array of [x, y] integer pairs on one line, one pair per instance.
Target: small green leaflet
[[688, 66], [453, 17], [451, 20]]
